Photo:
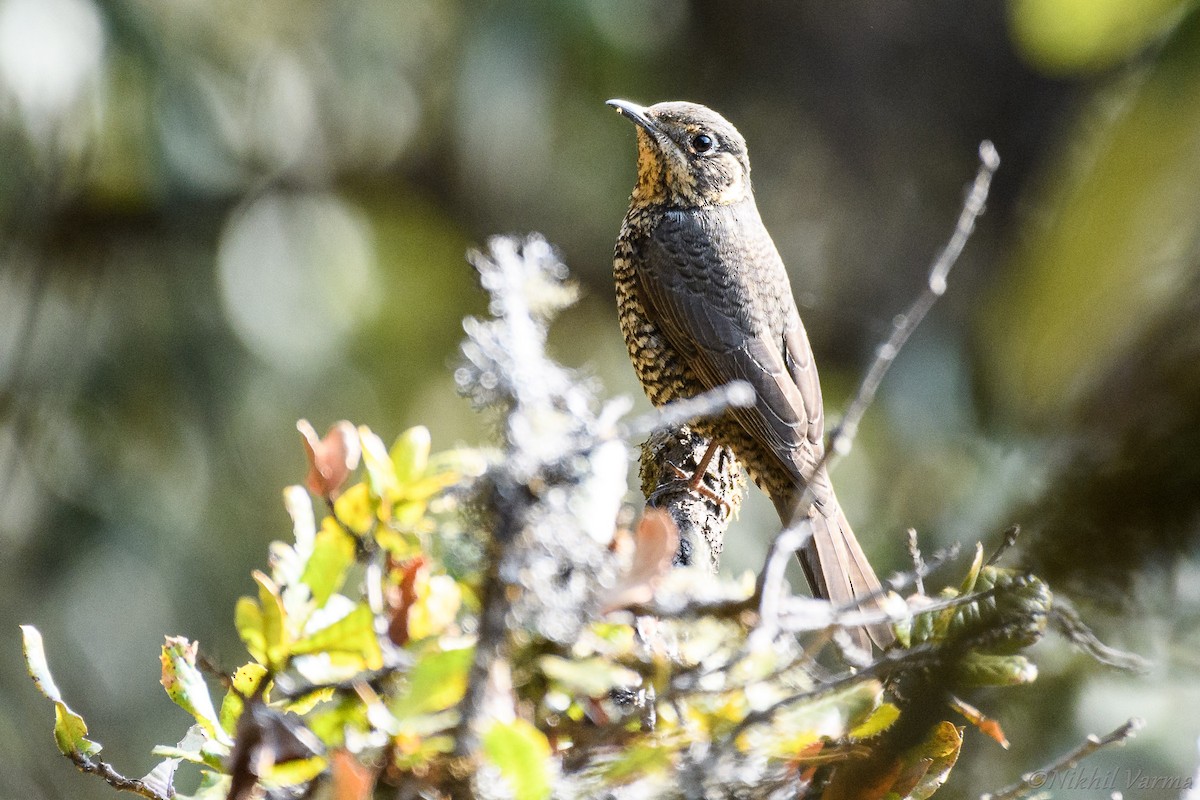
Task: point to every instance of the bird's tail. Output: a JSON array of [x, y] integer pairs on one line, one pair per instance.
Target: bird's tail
[[837, 570]]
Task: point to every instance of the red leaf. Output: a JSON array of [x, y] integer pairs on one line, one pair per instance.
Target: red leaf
[[330, 460], [352, 780], [401, 597], [986, 725], [657, 542]]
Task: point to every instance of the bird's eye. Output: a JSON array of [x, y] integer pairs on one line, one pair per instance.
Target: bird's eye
[[702, 143]]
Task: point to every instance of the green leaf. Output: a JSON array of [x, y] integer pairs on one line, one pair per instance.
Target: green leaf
[[437, 682], [381, 474], [306, 703], [70, 731], [186, 687], [642, 758], [248, 619], [355, 508], [410, 454], [353, 634], [276, 637], [332, 555], [330, 722], [245, 683], [590, 677], [933, 759], [880, 720], [521, 753], [295, 771], [977, 669]]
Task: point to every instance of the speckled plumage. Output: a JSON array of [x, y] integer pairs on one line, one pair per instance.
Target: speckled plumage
[[703, 299]]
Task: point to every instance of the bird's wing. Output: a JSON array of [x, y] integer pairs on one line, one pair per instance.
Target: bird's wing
[[710, 277], [715, 285]]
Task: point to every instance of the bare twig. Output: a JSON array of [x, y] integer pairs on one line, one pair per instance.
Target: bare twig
[[96, 766], [902, 328], [775, 619], [914, 553], [735, 394], [880, 667], [1033, 781], [771, 583], [935, 287], [1010, 539], [285, 688], [1066, 620]]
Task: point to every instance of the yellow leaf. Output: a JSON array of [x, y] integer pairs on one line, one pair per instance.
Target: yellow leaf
[[186, 687], [410, 454], [247, 618], [353, 634], [276, 636], [438, 601]]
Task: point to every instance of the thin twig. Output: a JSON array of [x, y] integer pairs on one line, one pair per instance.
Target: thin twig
[[1066, 620], [914, 553], [857, 618], [1036, 780], [880, 667], [771, 583], [1010, 539], [735, 394], [96, 766], [903, 327], [852, 615], [286, 689], [935, 287]]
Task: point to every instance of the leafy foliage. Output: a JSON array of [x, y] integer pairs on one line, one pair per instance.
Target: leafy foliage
[[474, 623]]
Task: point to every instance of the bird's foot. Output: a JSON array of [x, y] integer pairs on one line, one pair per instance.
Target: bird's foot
[[695, 481]]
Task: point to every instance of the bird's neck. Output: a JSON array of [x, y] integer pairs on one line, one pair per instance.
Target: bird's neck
[[651, 186]]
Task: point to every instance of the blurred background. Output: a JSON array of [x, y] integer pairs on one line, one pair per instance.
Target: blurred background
[[218, 217]]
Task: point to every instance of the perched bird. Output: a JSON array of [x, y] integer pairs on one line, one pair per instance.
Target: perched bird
[[704, 299]]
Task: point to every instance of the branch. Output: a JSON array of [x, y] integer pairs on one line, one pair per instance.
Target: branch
[[551, 502], [1066, 620], [701, 517], [1033, 781], [935, 287], [914, 553], [735, 394], [902, 328], [881, 666], [96, 766]]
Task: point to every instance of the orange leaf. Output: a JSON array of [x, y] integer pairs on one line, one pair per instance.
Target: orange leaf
[[657, 540], [332, 459], [986, 725], [401, 597], [352, 780]]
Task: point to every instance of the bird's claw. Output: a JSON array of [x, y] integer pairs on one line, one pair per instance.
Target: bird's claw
[[694, 481]]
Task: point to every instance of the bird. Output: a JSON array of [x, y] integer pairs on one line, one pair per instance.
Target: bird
[[704, 299]]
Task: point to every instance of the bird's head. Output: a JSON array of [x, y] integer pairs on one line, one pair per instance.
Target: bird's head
[[688, 155]]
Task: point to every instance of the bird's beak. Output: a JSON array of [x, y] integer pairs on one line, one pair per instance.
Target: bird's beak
[[639, 115]]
